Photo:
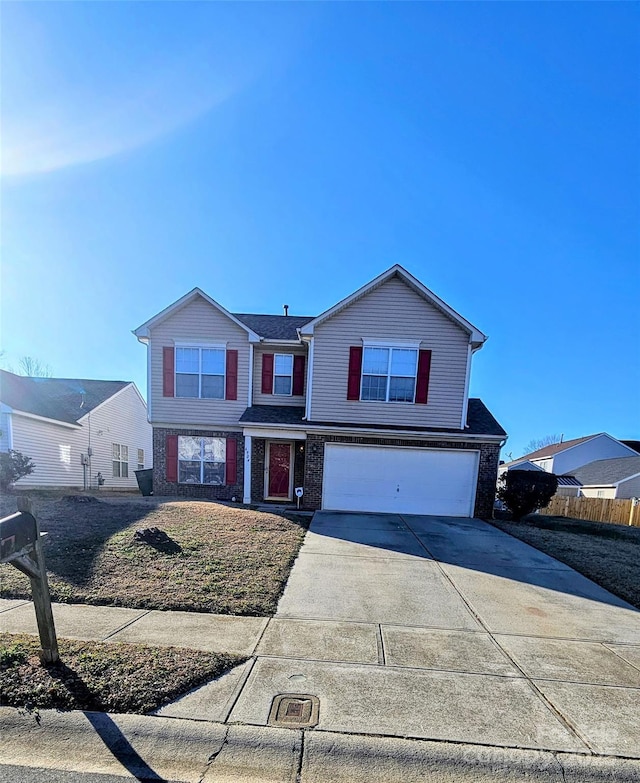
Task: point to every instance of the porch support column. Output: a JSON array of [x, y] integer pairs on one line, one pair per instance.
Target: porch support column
[[247, 469]]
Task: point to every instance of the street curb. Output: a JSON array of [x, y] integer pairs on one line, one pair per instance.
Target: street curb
[[190, 751]]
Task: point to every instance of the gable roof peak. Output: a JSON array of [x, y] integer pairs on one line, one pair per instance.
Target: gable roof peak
[[142, 332], [555, 448], [477, 338]]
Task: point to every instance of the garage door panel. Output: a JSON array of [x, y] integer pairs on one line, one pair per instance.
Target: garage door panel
[[399, 480]]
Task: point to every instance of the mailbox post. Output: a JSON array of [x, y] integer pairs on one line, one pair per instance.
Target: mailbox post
[[21, 546]]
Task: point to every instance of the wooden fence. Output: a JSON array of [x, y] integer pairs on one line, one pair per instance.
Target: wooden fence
[[617, 512]]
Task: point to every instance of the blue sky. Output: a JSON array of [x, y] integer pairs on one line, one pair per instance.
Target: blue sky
[[274, 153]]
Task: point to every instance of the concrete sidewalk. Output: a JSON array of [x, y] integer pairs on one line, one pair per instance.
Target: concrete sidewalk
[[412, 627]]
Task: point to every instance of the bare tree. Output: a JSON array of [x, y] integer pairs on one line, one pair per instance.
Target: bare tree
[[539, 443], [34, 368]]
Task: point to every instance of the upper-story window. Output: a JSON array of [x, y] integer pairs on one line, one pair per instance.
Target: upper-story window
[[389, 374], [283, 374], [200, 372]]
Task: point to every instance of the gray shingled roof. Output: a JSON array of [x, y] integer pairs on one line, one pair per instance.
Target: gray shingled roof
[[274, 327], [62, 399], [480, 421], [604, 472], [273, 414]]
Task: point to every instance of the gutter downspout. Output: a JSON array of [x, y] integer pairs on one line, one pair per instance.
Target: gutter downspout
[[250, 393], [307, 412]]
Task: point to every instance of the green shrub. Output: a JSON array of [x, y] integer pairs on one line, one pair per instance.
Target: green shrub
[[525, 491], [13, 466]]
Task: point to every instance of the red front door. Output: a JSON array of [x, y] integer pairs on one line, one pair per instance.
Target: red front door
[[279, 470]]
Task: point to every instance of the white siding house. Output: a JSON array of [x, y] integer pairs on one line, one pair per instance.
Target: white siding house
[[77, 432], [573, 456], [565, 458]]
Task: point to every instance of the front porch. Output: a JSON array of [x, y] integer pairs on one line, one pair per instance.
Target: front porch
[[274, 466]]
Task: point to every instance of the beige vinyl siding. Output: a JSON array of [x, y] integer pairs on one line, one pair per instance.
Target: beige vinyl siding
[[56, 450], [629, 489], [592, 492], [275, 399], [198, 322], [393, 311], [568, 491]]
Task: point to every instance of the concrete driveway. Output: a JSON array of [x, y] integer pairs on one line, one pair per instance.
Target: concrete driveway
[[447, 629]]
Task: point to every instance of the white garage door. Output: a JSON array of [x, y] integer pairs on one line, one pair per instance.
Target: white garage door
[[411, 481]]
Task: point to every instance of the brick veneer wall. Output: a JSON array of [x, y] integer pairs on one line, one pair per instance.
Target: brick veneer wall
[[163, 487], [258, 451], [487, 469], [298, 466]]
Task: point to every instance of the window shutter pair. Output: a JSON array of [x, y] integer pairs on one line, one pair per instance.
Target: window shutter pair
[[355, 373], [171, 456], [267, 374], [169, 370]]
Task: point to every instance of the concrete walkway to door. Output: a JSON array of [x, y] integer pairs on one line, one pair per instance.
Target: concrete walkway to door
[[447, 629]]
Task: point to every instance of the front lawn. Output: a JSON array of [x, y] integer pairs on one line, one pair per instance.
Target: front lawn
[[607, 554], [100, 676], [220, 558]]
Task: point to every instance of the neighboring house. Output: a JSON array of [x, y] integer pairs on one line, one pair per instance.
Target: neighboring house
[[564, 458], [365, 407], [525, 465], [75, 429], [608, 478]]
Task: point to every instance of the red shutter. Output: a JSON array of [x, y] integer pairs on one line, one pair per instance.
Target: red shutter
[[231, 391], [355, 369], [422, 381], [232, 468], [171, 456], [267, 373], [298, 375], [168, 368]]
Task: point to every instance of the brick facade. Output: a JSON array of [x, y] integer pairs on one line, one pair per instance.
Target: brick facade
[[309, 466], [487, 469], [163, 487]]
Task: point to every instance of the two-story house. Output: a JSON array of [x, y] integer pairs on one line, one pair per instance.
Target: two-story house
[[365, 407]]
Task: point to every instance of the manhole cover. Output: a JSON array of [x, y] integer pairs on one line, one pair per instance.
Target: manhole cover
[[295, 710]]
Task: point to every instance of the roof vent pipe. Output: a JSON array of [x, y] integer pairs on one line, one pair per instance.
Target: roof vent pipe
[[286, 309]]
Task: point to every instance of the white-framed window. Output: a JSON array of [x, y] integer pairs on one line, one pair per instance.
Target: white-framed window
[[140, 459], [201, 460], [120, 457], [601, 493], [283, 374], [389, 374], [200, 372]]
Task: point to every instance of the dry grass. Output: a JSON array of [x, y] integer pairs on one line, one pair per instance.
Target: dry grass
[[100, 676], [222, 559], [607, 554]]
